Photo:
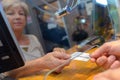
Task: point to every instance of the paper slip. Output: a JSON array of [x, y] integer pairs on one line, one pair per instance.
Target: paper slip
[[82, 56]]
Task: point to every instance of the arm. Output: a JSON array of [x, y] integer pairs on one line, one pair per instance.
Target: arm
[[49, 61], [109, 75], [29, 68]]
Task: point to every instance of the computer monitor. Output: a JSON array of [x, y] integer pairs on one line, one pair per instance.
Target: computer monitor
[[10, 53]]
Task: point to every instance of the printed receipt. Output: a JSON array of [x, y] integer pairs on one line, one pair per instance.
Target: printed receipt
[[82, 57]]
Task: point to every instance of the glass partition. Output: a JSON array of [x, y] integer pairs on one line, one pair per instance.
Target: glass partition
[[114, 12], [102, 21], [106, 19], [89, 19]]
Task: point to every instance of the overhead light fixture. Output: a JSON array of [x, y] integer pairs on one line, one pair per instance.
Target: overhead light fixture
[[103, 2]]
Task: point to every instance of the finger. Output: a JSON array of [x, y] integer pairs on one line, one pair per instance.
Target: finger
[[61, 55], [116, 64], [109, 62], [65, 62], [59, 62], [56, 49], [100, 51], [93, 59], [59, 70], [101, 60], [60, 50]]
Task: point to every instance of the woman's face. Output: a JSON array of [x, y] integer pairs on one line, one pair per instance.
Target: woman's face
[[16, 17]]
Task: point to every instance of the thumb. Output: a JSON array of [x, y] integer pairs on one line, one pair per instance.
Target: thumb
[[104, 49], [61, 55]]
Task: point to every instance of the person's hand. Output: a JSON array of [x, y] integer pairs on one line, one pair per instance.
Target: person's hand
[[113, 74], [108, 55], [54, 59]]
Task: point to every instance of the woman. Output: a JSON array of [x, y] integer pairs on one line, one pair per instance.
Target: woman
[[16, 12], [17, 17]]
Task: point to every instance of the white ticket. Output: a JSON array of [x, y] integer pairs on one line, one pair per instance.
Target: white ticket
[[82, 56]]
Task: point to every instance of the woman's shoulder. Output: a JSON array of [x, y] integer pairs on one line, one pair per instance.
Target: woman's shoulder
[[33, 39], [31, 36]]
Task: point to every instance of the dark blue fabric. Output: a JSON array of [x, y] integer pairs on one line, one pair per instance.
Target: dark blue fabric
[[54, 35]]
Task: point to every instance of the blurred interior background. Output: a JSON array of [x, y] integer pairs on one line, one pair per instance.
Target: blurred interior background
[[91, 22]]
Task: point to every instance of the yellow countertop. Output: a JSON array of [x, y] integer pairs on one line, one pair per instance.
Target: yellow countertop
[[77, 70]]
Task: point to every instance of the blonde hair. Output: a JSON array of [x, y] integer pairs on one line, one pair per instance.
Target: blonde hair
[[13, 3]]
